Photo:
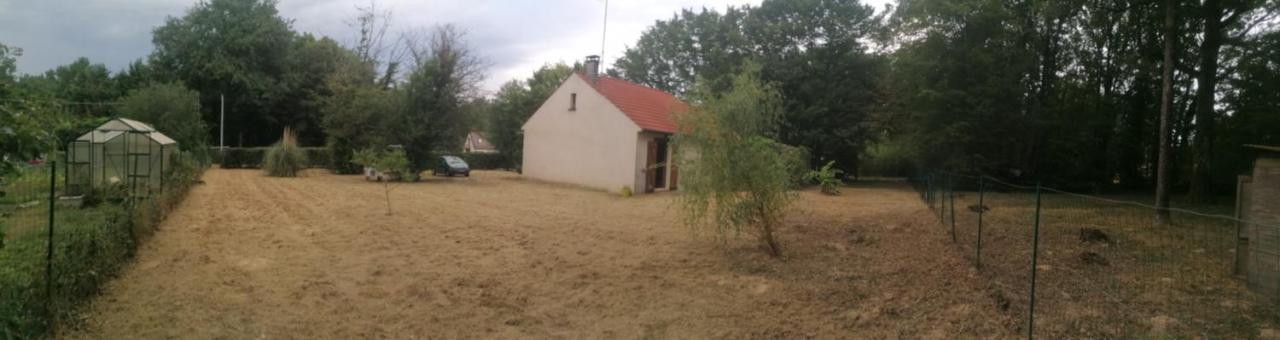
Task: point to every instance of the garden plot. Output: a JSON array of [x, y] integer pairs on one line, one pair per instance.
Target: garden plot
[[497, 256]]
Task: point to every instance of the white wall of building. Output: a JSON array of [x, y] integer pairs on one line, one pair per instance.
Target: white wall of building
[[591, 146]]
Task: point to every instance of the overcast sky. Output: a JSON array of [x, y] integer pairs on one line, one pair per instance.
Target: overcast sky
[[515, 37]]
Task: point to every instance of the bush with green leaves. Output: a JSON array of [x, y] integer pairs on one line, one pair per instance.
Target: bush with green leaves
[[285, 158], [172, 109], [393, 163], [828, 178], [735, 177]]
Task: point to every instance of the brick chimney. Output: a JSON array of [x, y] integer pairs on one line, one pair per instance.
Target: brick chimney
[[593, 68]]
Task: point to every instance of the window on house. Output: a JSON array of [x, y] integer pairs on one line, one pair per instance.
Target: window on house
[[573, 102]]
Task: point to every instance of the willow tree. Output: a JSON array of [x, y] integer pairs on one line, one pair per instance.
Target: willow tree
[[734, 175]]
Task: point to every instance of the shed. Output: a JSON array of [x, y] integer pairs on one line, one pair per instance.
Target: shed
[[1258, 207], [122, 152]]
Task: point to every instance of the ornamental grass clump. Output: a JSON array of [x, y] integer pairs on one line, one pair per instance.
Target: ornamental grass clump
[[285, 158]]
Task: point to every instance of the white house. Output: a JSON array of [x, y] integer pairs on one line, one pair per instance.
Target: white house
[[603, 132], [476, 143]]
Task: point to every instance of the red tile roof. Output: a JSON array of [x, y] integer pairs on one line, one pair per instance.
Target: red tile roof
[[650, 108]]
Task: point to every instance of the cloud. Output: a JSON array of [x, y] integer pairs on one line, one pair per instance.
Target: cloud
[[514, 36]]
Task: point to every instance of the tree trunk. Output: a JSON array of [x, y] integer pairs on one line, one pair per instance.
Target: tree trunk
[[766, 233], [775, 250], [1206, 116], [386, 188], [1166, 104]]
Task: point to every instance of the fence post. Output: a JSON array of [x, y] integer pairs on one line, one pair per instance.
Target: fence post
[[1035, 251], [48, 256], [981, 208], [942, 201], [951, 185], [928, 191]]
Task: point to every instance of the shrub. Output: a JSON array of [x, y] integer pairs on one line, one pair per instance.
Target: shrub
[[111, 194], [739, 179], [393, 163], [318, 157], [797, 158], [626, 191], [484, 161], [240, 158], [284, 159], [828, 178], [172, 109]]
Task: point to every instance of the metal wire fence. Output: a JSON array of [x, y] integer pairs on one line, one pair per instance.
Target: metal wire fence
[[1079, 266], [57, 250]]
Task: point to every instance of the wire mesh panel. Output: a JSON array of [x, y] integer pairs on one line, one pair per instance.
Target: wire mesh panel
[[1080, 266], [1007, 241], [25, 212]]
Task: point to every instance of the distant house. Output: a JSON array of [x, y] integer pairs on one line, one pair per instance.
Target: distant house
[[603, 132], [476, 143]]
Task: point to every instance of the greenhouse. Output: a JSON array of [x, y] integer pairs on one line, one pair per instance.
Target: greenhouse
[[121, 152]]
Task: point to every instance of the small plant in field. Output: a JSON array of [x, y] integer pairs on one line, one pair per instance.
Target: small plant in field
[[285, 158], [626, 191], [828, 178], [391, 164]]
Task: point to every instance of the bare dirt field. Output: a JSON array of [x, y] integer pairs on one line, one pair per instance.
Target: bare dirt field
[[496, 256]]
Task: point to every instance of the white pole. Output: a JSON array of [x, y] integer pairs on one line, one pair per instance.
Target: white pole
[[222, 124], [604, 30]]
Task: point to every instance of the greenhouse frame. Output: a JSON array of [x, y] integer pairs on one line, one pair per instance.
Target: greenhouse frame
[[122, 152]]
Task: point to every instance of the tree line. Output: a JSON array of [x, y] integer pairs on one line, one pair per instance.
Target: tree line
[[1068, 92], [416, 88]]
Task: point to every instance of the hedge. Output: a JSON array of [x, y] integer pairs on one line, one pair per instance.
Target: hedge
[[320, 157], [251, 158]]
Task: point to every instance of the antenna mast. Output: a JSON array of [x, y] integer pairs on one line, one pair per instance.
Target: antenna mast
[[605, 30]]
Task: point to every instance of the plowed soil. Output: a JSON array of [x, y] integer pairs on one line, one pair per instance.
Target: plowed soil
[[497, 256]]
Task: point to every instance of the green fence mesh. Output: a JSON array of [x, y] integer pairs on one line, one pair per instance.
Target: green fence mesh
[[1102, 267]]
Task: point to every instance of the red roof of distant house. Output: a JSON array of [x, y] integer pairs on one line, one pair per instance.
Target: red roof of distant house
[[650, 108]]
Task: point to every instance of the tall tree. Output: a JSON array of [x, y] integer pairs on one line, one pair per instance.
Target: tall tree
[[303, 87], [444, 76], [1223, 20], [372, 43], [814, 51], [673, 54], [173, 109], [1166, 103], [515, 102], [233, 48], [83, 87]]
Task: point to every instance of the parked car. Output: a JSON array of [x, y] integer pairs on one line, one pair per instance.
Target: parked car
[[451, 165]]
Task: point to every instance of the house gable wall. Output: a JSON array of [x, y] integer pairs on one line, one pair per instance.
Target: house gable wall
[[593, 145]]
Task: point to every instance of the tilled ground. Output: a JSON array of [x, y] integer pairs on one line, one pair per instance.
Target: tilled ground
[[496, 256]]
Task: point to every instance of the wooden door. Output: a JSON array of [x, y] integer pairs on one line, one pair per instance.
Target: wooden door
[[650, 162], [672, 162]]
